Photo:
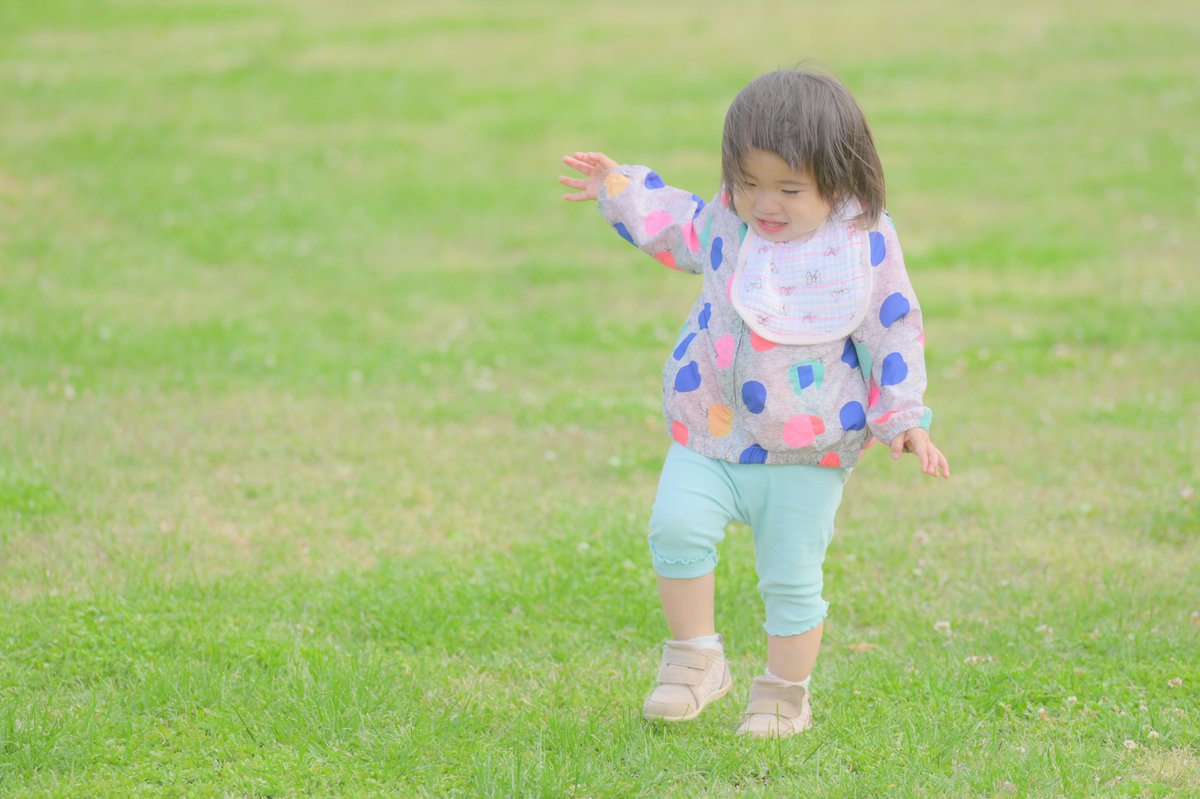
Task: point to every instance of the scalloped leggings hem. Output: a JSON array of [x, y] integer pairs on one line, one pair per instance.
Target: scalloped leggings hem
[[683, 568], [780, 626]]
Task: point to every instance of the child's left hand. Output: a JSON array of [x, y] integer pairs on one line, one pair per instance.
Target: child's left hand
[[917, 441]]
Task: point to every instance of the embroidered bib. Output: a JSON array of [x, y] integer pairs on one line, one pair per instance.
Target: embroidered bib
[[809, 292]]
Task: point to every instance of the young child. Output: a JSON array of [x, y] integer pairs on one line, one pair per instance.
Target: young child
[[805, 343]]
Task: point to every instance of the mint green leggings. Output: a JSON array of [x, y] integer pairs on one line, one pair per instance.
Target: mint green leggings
[[789, 508]]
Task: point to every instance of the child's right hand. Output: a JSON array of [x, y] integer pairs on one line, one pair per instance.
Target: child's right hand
[[916, 440], [595, 167]]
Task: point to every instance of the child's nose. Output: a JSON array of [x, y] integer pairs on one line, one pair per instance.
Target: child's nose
[[764, 202]]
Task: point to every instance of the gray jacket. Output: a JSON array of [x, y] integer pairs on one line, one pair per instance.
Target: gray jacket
[[730, 391]]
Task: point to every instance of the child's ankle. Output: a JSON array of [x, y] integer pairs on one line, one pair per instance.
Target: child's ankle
[[713, 641], [802, 683]]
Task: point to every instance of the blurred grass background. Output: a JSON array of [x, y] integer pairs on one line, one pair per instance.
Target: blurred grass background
[[315, 400]]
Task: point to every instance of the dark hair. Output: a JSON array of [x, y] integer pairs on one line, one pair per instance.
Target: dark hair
[[812, 122]]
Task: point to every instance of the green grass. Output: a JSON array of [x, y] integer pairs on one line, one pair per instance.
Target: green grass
[[328, 433]]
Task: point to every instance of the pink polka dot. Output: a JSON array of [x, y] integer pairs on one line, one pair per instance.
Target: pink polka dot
[[885, 417], [921, 337], [679, 432], [729, 286], [725, 199], [801, 431], [690, 238], [725, 347], [832, 460], [656, 221], [759, 343], [667, 259], [873, 395]]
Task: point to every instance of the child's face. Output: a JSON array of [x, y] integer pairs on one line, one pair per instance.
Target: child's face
[[779, 203]]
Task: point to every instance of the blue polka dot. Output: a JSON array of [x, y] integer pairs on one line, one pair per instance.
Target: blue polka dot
[[699, 205], [705, 316], [653, 181], [878, 248], [754, 394], [717, 255], [853, 416], [682, 349], [810, 374], [894, 308], [624, 231], [849, 354], [894, 370], [688, 378], [753, 454]]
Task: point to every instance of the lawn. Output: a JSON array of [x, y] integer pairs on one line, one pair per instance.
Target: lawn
[[329, 433]]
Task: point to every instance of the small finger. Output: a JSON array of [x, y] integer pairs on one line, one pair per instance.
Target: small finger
[[920, 449], [939, 466], [577, 165]]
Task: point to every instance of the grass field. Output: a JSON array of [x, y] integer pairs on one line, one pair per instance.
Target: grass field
[[328, 432]]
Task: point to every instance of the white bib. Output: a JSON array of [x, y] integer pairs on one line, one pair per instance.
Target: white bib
[[810, 292]]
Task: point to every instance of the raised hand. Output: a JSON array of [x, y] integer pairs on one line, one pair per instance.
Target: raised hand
[[594, 167]]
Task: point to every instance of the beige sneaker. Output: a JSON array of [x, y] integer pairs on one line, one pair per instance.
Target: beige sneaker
[[689, 678], [777, 709]]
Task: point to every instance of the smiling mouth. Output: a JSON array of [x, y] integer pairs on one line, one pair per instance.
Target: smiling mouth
[[771, 227]]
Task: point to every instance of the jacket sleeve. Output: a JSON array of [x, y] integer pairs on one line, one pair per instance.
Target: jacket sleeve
[[893, 337], [662, 221]]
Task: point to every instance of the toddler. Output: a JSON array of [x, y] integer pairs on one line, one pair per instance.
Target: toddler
[[805, 343]]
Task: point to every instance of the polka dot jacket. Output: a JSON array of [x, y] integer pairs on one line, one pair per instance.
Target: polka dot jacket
[[732, 394]]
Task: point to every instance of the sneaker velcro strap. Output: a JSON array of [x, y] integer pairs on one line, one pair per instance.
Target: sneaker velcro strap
[[680, 675], [783, 700], [685, 657]]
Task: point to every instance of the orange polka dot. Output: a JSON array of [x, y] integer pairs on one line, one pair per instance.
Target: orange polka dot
[[615, 184], [720, 420]]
